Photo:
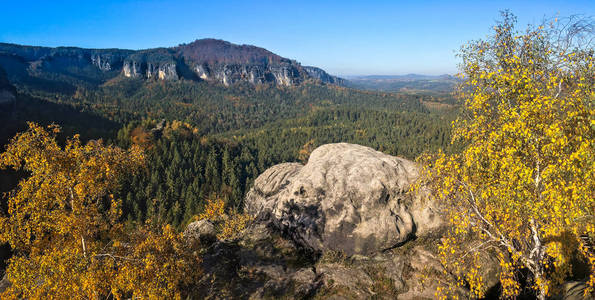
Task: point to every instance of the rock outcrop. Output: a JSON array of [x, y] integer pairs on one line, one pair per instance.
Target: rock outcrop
[[100, 62], [4, 283], [132, 69], [167, 71], [285, 75], [342, 226], [347, 198], [202, 230], [150, 70], [323, 76], [262, 264]]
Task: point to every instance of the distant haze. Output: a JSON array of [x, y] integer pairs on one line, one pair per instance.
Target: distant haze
[[410, 76], [342, 37]]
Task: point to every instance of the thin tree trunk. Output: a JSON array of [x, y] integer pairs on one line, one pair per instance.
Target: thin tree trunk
[[84, 246], [542, 293], [537, 255]]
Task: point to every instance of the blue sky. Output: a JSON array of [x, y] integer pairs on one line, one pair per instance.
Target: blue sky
[[342, 37]]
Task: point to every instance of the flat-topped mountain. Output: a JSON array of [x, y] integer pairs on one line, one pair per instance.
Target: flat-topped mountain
[[207, 59]]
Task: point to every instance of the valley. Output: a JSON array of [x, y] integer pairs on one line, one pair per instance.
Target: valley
[[217, 136], [220, 170]]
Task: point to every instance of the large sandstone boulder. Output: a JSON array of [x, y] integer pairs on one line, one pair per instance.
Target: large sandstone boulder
[[347, 198]]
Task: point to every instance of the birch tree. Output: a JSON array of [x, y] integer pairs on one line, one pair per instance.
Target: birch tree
[[523, 187]]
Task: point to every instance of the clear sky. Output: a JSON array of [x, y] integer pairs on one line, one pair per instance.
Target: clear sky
[[342, 37]]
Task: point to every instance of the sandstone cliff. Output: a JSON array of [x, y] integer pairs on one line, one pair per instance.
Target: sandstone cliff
[[323, 76], [208, 59]]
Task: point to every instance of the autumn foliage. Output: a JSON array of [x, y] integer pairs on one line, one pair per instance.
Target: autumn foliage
[[522, 188], [228, 225], [64, 226]]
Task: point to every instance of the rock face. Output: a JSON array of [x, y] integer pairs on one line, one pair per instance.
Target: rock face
[[141, 68], [262, 264], [229, 74], [101, 62], [200, 230], [323, 76], [132, 69], [347, 198], [167, 71], [207, 59]]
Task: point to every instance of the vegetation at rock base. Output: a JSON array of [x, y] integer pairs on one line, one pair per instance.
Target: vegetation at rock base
[[522, 188], [64, 226], [228, 225]]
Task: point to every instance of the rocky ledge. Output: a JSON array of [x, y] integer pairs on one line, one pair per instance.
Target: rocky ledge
[[342, 226]]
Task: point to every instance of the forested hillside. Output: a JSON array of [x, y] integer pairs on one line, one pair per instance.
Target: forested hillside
[[209, 141], [185, 167], [229, 134], [212, 170], [206, 140]]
